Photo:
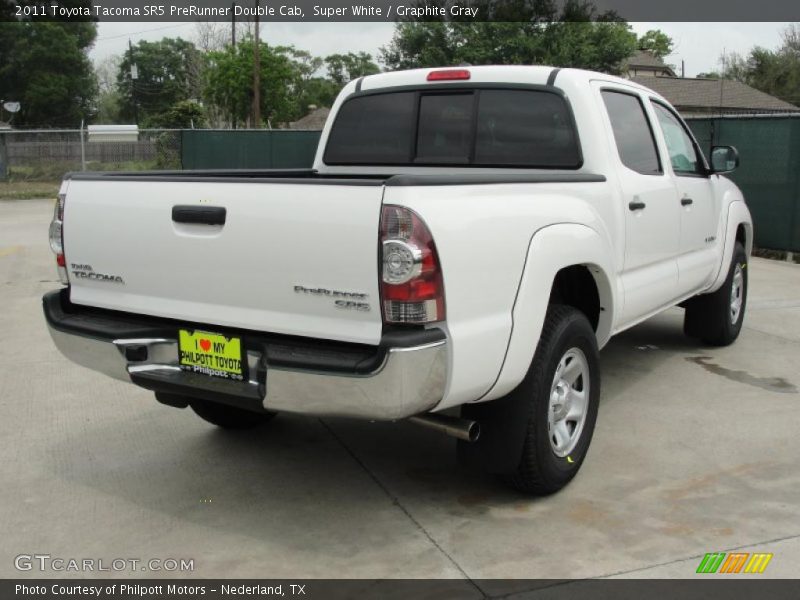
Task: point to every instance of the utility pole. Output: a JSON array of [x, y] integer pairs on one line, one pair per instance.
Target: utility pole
[[257, 75], [134, 76], [233, 46], [233, 24], [722, 80]]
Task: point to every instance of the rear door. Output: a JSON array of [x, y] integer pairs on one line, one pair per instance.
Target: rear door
[[652, 215], [290, 258]]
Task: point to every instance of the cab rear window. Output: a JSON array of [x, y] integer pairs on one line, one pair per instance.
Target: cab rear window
[[468, 127]]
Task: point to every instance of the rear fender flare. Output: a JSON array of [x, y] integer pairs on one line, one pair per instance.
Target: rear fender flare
[[551, 249], [504, 421]]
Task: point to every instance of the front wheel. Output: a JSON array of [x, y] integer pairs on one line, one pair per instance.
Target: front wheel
[[562, 390], [717, 318]]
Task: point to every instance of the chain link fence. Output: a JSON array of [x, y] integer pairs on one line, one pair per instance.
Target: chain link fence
[[45, 155]]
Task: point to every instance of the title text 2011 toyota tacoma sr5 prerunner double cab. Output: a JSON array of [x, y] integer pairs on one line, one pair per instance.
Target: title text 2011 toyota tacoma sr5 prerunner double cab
[[467, 237]]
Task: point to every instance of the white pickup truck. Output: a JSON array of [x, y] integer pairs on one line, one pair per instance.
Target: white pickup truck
[[467, 238]]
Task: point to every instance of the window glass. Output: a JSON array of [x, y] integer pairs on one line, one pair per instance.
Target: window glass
[[375, 129], [513, 128], [682, 153], [522, 128], [632, 133], [445, 128]]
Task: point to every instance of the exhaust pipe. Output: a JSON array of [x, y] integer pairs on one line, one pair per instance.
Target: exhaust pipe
[[463, 429]]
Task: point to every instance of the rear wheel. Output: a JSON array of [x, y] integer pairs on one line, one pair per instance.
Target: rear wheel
[[717, 318], [562, 390], [229, 417]]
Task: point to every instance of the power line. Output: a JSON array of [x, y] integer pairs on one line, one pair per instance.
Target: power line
[[114, 37]]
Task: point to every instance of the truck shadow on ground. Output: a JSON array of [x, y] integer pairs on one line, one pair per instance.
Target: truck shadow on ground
[[320, 475]]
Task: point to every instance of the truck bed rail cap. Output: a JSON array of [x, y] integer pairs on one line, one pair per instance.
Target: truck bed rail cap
[[487, 179]]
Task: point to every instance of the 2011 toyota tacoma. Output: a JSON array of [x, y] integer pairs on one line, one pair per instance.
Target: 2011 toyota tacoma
[[467, 237]]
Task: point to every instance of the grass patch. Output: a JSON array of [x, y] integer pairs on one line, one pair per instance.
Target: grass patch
[[45, 172], [25, 190], [55, 171]]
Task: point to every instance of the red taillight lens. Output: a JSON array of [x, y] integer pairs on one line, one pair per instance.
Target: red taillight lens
[[449, 75], [412, 290]]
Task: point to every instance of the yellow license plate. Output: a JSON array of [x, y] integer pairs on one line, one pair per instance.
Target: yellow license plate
[[210, 354]]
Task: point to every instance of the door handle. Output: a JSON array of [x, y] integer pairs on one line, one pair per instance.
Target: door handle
[[636, 205], [202, 215], [686, 201]]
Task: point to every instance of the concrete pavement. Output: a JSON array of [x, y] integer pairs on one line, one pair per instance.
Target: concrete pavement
[[695, 451]]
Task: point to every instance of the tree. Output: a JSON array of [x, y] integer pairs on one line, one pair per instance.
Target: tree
[[216, 35], [308, 88], [169, 71], [519, 33], [185, 114], [656, 42], [343, 68], [775, 72], [45, 67], [229, 82], [212, 35], [791, 38], [734, 66], [107, 103]]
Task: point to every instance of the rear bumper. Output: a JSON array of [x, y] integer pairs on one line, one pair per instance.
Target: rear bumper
[[403, 376]]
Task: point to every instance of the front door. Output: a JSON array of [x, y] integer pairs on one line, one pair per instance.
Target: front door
[[699, 207]]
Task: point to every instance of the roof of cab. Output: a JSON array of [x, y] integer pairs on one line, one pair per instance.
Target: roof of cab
[[531, 74]]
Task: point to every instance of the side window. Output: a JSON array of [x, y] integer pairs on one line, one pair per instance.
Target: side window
[[635, 142], [682, 153]]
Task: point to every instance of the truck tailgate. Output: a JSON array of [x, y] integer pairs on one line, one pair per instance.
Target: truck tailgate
[[297, 258]]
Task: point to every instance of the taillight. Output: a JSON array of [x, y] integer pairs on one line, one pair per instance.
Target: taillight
[[57, 238], [449, 75], [412, 290]]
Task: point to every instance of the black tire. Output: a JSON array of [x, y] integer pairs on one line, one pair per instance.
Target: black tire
[[541, 470], [229, 417], [710, 317]]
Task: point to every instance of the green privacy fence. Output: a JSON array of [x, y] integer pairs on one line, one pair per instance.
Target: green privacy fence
[[769, 173], [248, 149]]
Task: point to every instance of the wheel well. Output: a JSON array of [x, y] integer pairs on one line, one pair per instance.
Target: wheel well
[[741, 235], [576, 287]]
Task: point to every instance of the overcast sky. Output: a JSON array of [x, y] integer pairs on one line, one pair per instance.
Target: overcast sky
[[698, 44]]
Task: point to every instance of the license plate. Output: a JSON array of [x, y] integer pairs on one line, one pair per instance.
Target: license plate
[[210, 354]]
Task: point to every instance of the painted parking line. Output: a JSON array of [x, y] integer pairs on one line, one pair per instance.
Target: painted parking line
[[9, 251]]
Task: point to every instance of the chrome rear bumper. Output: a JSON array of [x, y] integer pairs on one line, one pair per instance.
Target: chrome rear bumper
[[407, 380]]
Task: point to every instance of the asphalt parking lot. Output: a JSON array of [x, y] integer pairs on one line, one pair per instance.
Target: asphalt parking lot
[[695, 451]]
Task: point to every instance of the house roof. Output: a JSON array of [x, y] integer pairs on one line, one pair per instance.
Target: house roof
[[714, 94], [645, 59], [313, 120]]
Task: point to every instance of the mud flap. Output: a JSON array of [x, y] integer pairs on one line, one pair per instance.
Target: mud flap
[[503, 426]]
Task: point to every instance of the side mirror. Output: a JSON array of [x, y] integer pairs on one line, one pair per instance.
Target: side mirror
[[724, 159]]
